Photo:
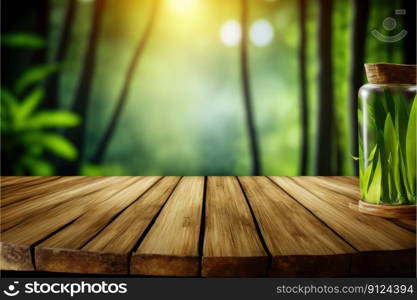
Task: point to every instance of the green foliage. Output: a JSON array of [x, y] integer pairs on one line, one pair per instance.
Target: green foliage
[[34, 75], [28, 133], [202, 119], [22, 40], [388, 174], [53, 119], [102, 170], [25, 135], [58, 145]]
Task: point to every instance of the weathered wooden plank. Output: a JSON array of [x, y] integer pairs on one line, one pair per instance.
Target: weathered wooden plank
[[407, 224], [69, 249], [368, 234], [7, 181], [300, 244], [354, 180], [232, 247], [78, 233], [171, 246], [15, 257], [16, 242], [43, 188], [9, 189], [384, 247], [337, 185], [15, 213]]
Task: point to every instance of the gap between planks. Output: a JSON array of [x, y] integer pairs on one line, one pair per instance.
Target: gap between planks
[[17, 241], [384, 247], [98, 255], [93, 243]]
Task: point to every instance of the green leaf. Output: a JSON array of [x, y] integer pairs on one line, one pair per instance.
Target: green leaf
[[53, 119], [391, 149], [401, 124], [367, 174], [8, 100], [34, 75], [401, 118], [379, 114], [374, 192], [411, 146], [9, 109], [89, 169], [59, 146], [404, 176], [38, 167], [22, 40], [362, 183], [364, 180], [388, 103], [31, 102], [372, 154]]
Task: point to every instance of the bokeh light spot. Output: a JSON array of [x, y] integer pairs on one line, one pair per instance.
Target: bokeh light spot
[[230, 33], [261, 33]]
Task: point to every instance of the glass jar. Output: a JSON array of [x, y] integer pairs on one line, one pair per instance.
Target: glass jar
[[387, 143]]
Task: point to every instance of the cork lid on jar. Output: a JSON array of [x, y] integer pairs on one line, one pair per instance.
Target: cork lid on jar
[[385, 73]]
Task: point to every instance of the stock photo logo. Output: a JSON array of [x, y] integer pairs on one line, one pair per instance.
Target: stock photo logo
[[389, 24], [72, 289], [12, 290]]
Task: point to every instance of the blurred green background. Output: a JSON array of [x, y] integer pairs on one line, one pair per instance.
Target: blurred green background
[[184, 111]]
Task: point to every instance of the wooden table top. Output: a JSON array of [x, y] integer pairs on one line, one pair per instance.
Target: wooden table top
[[198, 226]]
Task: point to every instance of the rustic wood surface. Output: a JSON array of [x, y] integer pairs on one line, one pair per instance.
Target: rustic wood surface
[[198, 226], [310, 246], [232, 247], [369, 235], [171, 246]]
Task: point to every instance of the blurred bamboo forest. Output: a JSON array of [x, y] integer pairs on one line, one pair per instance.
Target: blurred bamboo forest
[[190, 87]]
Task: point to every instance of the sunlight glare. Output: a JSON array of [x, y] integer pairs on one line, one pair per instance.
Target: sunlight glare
[[230, 33], [182, 5], [261, 33]]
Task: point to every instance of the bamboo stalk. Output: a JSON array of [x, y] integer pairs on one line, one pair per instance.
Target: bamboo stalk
[[121, 102], [246, 89]]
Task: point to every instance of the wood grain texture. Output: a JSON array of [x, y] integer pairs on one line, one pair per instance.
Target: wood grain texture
[[339, 185], [20, 193], [385, 73], [366, 234], [15, 213], [19, 239], [7, 181], [299, 243], [407, 224], [218, 227], [83, 229], [232, 247], [18, 185], [354, 180], [15, 257], [109, 251], [171, 246]]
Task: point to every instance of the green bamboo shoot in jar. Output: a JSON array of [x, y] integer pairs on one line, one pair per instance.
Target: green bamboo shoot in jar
[[387, 118]]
